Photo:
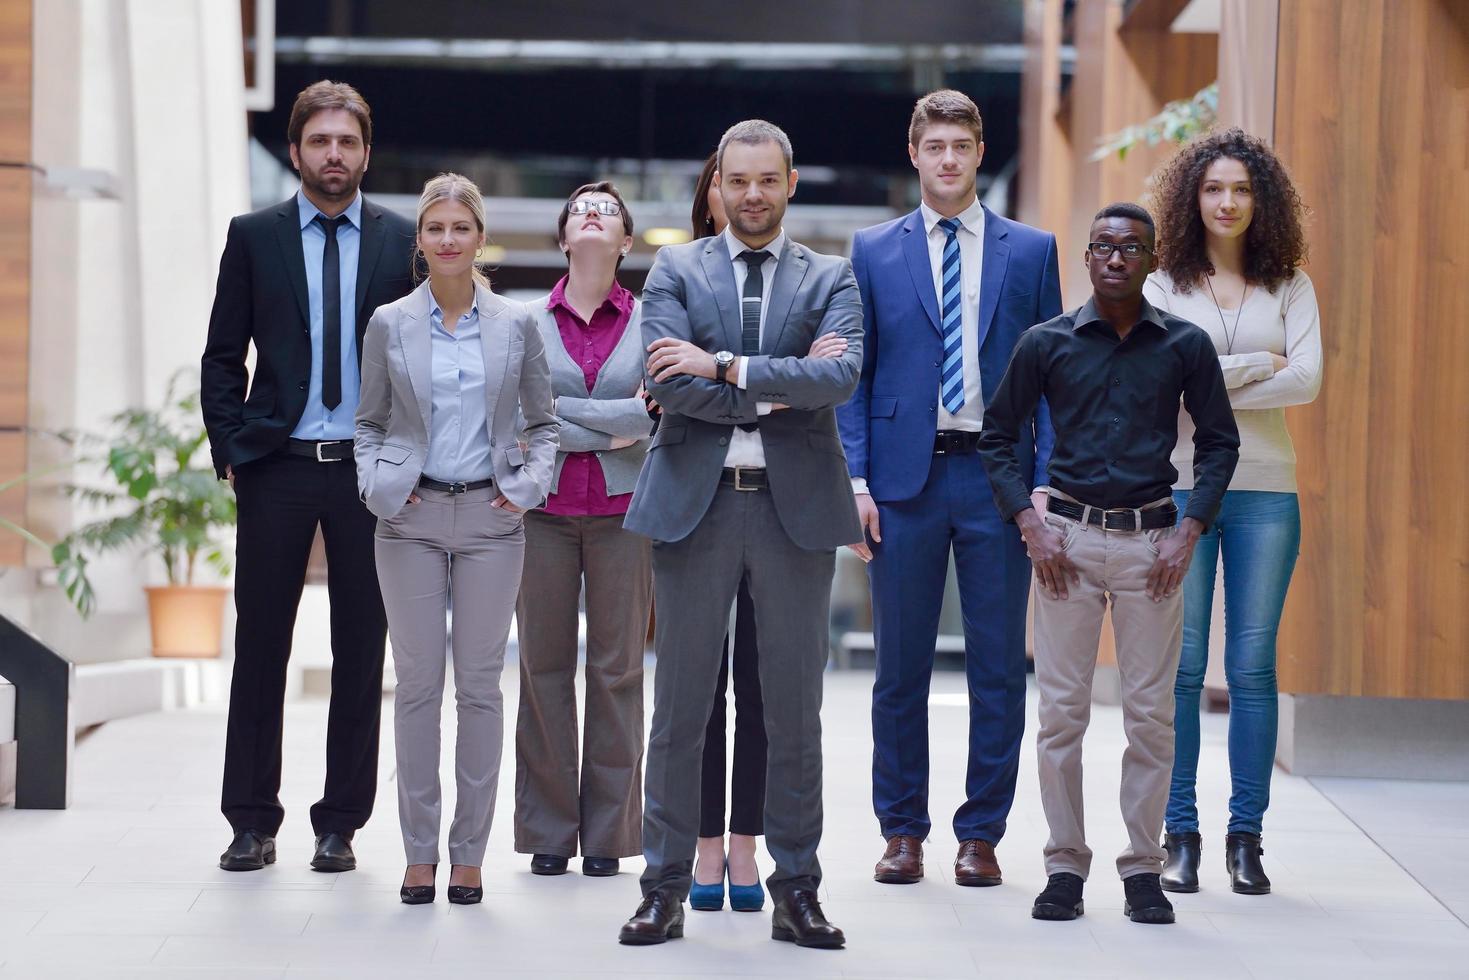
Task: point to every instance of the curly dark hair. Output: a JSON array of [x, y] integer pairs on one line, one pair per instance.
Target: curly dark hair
[[1275, 243]]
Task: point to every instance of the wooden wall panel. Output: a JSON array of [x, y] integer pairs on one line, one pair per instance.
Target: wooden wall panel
[[15, 252], [1043, 181], [15, 274], [1372, 117], [15, 81]]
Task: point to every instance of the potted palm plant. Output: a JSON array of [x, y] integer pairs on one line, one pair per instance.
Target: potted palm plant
[[156, 492]]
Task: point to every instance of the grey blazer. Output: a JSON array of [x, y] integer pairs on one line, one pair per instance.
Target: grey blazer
[[690, 295], [394, 414], [589, 422]]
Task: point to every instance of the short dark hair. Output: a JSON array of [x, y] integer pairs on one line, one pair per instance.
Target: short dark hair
[[700, 217], [1126, 209], [597, 187], [322, 96], [753, 132], [945, 105]]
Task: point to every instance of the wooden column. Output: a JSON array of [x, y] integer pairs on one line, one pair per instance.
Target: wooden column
[[1372, 117], [15, 259]]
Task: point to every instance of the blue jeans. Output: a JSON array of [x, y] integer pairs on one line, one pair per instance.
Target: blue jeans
[[1258, 533]]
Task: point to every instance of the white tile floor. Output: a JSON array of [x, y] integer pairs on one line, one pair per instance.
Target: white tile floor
[[124, 884]]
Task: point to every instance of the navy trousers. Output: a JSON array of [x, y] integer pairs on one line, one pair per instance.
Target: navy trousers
[[955, 510]]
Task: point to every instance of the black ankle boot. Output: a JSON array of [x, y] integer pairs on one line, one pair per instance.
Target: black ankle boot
[[1242, 861], [1181, 870]]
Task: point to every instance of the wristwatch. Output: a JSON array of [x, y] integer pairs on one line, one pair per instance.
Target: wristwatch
[[722, 360]]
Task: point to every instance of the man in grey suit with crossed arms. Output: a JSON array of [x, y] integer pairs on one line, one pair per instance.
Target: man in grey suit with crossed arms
[[745, 477]]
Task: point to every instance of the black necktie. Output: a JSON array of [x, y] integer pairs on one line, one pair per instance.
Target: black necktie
[[750, 309], [331, 313]]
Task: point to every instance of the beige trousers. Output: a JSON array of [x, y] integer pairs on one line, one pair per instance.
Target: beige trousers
[[1114, 569], [449, 549], [598, 803]]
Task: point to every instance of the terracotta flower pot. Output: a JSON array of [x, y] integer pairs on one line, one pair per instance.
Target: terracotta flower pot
[[187, 619]]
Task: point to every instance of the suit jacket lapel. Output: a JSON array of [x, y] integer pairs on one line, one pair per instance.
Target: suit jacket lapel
[[720, 273], [369, 250], [790, 272], [288, 234], [915, 250], [494, 341], [992, 272], [416, 343]]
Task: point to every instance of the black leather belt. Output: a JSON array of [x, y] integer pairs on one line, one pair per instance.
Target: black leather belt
[[1118, 518], [948, 441], [744, 478], [442, 487], [325, 451]]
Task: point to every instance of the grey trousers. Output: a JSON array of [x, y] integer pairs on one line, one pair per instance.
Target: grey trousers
[[444, 551], [1114, 569], [694, 583], [600, 802]]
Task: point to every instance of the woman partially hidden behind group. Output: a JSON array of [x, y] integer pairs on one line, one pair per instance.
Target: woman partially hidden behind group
[[1229, 245], [455, 441]]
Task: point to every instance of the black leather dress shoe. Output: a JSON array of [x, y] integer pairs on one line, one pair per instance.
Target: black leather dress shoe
[[1242, 861], [417, 894], [249, 851], [658, 919], [1181, 870], [1145, 900], [1061, 900], [798, 919], [599, 867], [547, 864], [333, 853]]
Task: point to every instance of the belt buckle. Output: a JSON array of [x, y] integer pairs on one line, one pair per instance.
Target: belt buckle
[[1135, 514], [458, 488], [322, 459], [739, 479]]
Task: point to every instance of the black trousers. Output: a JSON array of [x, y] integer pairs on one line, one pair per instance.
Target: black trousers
[[747, 782], [281, 500]]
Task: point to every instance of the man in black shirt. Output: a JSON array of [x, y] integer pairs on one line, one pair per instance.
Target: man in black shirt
[[1112, 373]]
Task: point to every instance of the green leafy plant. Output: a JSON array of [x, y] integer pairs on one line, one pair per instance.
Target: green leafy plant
[[159, 496], [1178, 122]]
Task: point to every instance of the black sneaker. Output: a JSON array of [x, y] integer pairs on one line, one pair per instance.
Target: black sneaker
[[1145, 900], [1061, 901]]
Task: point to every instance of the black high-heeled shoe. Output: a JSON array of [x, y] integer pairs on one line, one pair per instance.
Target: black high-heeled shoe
[[418, 894], [465, 895]]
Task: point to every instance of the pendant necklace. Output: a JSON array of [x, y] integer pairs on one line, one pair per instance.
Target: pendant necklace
[[1228, 336]]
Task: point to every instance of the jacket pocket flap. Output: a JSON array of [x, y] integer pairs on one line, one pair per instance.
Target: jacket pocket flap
[[667, 435], [393, 454], [881, 408], [515, 455]]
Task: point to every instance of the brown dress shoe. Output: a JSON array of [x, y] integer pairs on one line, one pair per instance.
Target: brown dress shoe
[[976, 864], [902, 862]]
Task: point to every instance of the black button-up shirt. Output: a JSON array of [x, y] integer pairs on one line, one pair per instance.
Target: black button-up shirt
[[1114, 406]]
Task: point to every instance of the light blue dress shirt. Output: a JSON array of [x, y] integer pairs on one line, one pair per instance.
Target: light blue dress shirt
[[459, 436], [316, 421]]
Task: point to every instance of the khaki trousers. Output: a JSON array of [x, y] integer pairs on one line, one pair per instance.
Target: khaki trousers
[[1114, 569], [598, 804], [449, 548]]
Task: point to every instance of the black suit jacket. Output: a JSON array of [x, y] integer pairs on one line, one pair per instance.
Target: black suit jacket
[[261, 298]]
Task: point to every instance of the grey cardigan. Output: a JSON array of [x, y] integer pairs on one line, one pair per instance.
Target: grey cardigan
[[588, 424]]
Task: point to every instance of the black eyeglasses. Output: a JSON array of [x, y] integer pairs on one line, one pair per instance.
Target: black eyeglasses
[[1130, 251], [609, 208]]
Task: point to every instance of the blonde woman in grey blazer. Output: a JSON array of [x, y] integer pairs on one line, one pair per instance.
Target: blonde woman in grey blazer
[[455, 441], [588, 801]]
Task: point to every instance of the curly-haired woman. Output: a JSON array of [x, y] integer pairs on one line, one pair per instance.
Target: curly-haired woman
[[1230, 244]]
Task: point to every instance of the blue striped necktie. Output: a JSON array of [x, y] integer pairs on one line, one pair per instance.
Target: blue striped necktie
[[951, 295]]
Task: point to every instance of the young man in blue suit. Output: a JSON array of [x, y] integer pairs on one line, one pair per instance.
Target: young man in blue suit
[[946, 292]]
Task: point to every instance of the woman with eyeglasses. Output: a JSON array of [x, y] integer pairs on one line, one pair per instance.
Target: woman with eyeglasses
[[589, 325], [1229, 254]]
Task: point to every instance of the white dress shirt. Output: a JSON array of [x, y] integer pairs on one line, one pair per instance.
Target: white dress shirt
[[747, 448]]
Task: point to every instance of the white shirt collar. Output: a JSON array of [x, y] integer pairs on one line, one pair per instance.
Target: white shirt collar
[[735, 246], [971, 218]]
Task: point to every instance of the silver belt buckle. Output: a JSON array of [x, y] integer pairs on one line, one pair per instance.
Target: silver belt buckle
[[1134, 513], [322, 459], [457, 488], [739, 478]]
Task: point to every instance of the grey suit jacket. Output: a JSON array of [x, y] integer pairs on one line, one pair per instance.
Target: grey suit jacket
[[690, 295], [589, 421], [396, 407]]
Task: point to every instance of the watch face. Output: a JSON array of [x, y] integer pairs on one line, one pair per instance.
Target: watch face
[[724, 357]]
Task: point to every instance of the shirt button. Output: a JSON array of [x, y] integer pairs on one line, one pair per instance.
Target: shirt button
[[933, 408], [723, 441], [1116, 382], [302, 386], [1116, 421]]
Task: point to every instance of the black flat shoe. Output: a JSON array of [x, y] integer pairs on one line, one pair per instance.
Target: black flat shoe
[[1145, 901], [1181, 870], [547, 864], [1242, 861], [419, 894], [599, 867], [333, 853], [249, 851], [1061, 900], [464, 895]]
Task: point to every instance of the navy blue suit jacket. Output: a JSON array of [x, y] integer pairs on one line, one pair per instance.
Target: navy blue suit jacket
[[888, 425]]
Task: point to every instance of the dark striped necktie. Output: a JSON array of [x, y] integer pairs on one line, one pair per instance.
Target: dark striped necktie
[[951, 295]]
